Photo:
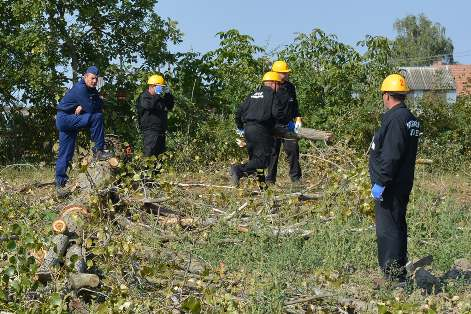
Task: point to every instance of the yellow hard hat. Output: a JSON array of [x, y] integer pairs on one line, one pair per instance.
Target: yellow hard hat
[[271, 76], [156, 79], [395, 83], [280, 66]]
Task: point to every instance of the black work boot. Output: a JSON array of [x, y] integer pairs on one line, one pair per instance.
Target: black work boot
[[102, 155], [235, 175]]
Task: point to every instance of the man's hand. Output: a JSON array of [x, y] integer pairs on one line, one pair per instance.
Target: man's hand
[[377, 192], [159, 89], [78, 110]]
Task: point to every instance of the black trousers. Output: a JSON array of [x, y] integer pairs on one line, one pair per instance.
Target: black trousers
[[291, 149], [391, 233], [259, 145], [154, 142]]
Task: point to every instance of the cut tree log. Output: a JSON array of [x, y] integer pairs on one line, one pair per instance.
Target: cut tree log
[[53, 256], [113, 162], [76, 263], [303, 133], [74, 217], [81, 280], [59, 226], [95, 176]]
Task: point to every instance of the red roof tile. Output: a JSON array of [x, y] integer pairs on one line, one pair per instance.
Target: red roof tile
[[462, 75]]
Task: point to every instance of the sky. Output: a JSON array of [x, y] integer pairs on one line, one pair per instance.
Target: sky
[[274, 23]]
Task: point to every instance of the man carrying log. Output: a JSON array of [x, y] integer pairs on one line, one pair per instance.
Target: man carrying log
[[80, 108], [152, 108], [287, 92], [255, 119], [391, 166]]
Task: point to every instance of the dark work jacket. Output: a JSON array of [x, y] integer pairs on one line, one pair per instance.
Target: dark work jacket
[[393, 150], [287, 93], [152, 111], [261, 107], [81, 95]]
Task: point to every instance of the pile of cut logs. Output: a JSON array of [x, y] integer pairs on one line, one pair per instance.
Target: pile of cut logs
[[67, 249]]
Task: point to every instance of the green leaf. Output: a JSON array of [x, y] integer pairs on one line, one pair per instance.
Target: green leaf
[[10, 272], [56, 299], [11, 245], [16, 229], [192, 305]]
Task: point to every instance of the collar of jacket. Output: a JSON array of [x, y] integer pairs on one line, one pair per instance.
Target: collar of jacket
[[390, 111]]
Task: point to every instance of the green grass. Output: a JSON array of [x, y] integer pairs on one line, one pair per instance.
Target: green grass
[[256, 271]]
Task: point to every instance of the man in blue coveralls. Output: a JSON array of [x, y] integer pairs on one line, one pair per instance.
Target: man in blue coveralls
[[81, 108]]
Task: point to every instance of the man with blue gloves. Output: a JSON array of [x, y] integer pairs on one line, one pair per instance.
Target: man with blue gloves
[[255, 119], [287, 93], [80, 108], [391, 165], [152, 108]]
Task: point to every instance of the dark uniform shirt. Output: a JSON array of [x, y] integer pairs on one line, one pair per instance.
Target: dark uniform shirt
[[287, 93], [394, 149], [152, 110], [81, 95], [261, 107]]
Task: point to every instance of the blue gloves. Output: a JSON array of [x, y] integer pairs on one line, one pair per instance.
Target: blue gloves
[[159, 89], [377, 192], [291, 126], [240, 132]]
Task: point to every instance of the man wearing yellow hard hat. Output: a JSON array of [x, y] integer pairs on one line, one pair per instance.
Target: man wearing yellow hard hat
[[287, 93], [152, 108], [255, 119], [391, 165]]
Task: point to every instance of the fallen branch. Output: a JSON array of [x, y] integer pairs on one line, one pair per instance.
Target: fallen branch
[[4, 238], [421, 161], [325, 160], [301, 196], [17, 165], [205, 185]]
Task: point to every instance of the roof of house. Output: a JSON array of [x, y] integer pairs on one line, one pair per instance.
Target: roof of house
[[461, 74], [428, 78]]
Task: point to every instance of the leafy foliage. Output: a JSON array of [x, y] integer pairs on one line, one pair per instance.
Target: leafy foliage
[[420, 42]]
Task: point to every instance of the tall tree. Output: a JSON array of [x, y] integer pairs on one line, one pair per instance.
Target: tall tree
[[46, 44], [419, 42]]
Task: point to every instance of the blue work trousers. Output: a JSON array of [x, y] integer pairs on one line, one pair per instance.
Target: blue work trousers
[[68, 126]]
